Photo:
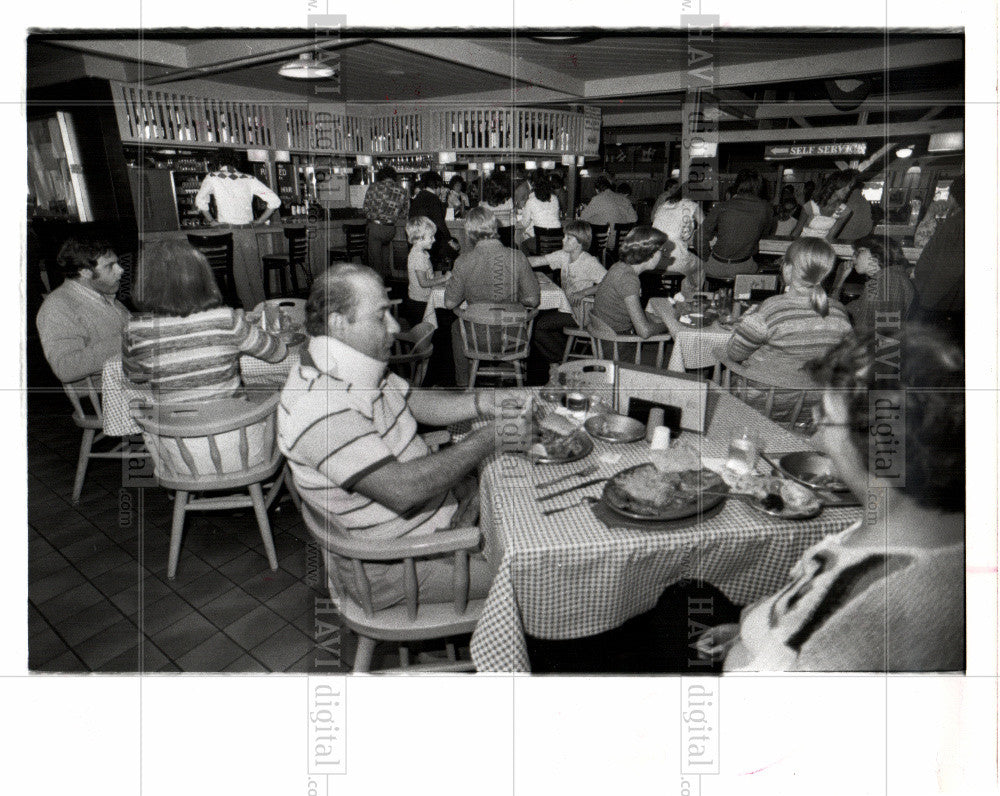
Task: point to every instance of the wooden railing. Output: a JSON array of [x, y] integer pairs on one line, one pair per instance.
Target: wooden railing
[[148, 115]]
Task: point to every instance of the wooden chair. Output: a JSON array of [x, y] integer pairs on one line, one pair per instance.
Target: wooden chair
[[549, 239], [499, 334], [744, 284], [599, 240], [579, 344], [397, 265], [620, 231], [658, 283], [609, 345], [413, 620], [506, 235], [357, 242], [216, 446], [92, 423], [297, 257], [295, 307], [786, 399], [411, 353], [218, 249]]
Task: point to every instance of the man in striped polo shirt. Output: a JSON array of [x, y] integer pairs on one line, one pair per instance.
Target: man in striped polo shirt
[[349, 431]]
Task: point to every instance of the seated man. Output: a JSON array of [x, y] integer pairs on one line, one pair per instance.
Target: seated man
[[80, 323], [349, 431], [581, 274]]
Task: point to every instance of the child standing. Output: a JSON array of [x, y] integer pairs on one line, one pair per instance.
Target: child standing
[[420, 232]]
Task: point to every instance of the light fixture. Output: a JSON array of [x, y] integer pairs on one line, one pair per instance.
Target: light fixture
[[548, 164], [307, 67], [904, 152], [530, 165], [447, 157], [788, 173]]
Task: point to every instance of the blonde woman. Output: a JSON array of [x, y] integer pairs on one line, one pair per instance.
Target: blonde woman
[[787, 331]]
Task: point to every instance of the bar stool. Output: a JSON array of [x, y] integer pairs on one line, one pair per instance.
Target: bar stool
[[298, 255], [218, 250], [357, 241], [549, 239]]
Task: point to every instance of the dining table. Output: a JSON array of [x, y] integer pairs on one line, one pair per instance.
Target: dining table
[[118, 394], [693, 348], [552, 298], [570, 575]]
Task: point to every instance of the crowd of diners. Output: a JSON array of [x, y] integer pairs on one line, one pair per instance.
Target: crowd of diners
[[348, 426]]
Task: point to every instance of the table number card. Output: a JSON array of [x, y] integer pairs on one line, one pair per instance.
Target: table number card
[[688, 393]]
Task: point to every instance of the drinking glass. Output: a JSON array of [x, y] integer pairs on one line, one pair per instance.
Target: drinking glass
[[744, 448]]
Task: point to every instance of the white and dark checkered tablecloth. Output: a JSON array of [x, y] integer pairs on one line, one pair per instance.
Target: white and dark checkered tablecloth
[[118, 393], [693, 348], [569, 575]]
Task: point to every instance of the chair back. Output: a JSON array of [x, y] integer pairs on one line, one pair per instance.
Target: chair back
[[357, 241], [506, 235], [785, 398], [85, 396], [211, 445], [496, 332], [298, 245], [411, 353], [549, 239], [218, 250], [295, 308], [599, 238], [610, 345], [745, 284], [356, 597], [621, 230], [397, 265], [595, 376]]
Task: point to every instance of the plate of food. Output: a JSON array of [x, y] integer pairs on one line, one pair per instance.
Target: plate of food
[[814, 470], [556, 440], [697, 315], [645, 492], [614, 428], [777, 496]]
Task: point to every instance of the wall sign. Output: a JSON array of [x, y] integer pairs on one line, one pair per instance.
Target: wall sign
[[788, 151]]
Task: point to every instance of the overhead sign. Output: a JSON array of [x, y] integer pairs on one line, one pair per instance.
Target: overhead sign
[[788, 151], [591, 130]]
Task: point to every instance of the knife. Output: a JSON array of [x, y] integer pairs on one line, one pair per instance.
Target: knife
[[569, 489]]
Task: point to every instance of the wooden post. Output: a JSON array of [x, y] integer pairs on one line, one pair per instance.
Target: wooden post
[[571, 192]]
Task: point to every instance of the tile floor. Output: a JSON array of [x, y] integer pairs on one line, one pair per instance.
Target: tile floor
[[98, 596]]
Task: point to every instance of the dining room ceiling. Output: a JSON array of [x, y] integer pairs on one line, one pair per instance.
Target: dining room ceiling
[[631, 75]]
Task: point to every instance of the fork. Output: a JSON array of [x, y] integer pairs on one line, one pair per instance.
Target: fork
[[584, 501], [585, 471]]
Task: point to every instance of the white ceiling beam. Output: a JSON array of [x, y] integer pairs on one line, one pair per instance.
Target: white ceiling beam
[[160, 53], [906, 55], [846, 131], [503, 97], [784, 110], [475, 56]]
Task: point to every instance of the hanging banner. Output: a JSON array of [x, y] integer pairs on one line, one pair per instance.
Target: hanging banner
[[591, 130]]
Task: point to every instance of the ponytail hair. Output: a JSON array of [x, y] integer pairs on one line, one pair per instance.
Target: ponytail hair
[[812, 260]]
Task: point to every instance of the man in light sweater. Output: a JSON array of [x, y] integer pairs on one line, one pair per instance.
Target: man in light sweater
[[80, 322]]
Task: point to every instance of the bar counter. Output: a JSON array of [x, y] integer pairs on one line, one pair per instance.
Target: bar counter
[[324, 236]]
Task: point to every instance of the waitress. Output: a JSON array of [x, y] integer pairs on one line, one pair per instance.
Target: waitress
[[233, 192]]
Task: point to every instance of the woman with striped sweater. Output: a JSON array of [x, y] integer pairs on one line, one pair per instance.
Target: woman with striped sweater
[[798, 326], [185, 344]]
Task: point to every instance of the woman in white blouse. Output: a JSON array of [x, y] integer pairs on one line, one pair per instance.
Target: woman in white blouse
[[541, 210]]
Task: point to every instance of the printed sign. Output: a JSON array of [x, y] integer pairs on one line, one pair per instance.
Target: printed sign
[[788, 151], [591, 130]]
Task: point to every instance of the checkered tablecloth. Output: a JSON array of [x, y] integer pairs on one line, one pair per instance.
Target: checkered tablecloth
[[118, 393], [569, 575], [552, 298], [693, 348]]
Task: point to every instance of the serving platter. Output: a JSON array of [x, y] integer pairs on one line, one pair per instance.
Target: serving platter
[[812, 469], [614, 428]]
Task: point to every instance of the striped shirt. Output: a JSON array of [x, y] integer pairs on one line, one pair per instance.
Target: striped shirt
[[786, 332], [194, 358], [342, 416]]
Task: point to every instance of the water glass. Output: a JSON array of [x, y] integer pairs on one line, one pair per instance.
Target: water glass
[[744, 448]]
